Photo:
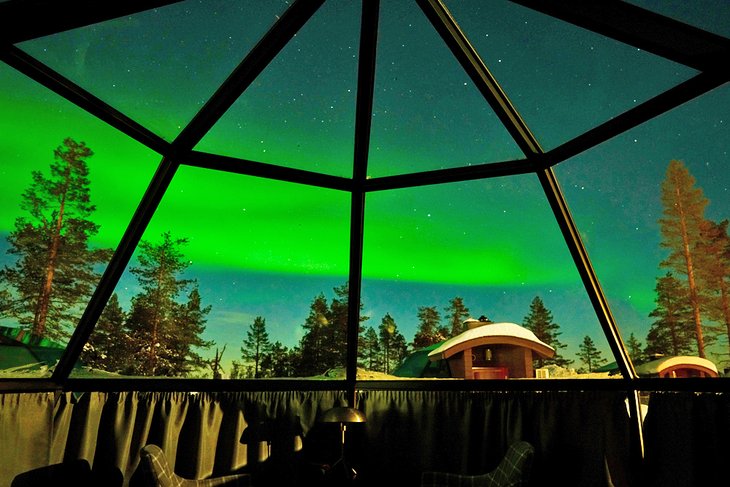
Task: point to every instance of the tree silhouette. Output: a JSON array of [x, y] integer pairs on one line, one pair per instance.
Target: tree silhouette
[[633, 346], [429, 328], [108, 344], [256, 345], [672, 332], [456, 313], [684, 207], [540, 322], [54, 272], [164, 333], [316, 346], [371, 350], [589, 354], [714, 272], [392, 343]]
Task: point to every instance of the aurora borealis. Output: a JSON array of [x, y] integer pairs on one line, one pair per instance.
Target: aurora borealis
[[267, 248]]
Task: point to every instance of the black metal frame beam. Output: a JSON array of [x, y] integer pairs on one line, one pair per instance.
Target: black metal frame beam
[[113, 272], [21, 20], [662, 103], [246, 72], [66, 88], [453, 175], [270, 171], [643, 385], [643, 29], [454, 37], [363, 119]]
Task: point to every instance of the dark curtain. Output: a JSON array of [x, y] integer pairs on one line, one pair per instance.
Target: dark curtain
[[26, 429], [687, 439], [202, 434], [581, 438]]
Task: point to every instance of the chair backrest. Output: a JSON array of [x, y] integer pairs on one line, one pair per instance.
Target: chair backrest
[[156, 469], [514, 469]]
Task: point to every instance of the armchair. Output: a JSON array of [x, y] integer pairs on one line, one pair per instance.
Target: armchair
[[512, 471], [157, 473]]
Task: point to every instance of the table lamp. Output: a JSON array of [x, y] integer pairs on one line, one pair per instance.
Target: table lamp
[[343, 416]]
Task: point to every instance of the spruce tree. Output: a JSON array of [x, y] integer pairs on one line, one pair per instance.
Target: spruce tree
[[589, 354], [256, 345], [633, 347], [188, 339], [107, 346], [540, 322], [456, 313], [429, 329], [392, 343], [46, 288], [684, 207], [278, 361], [672, 332], [315, 347]]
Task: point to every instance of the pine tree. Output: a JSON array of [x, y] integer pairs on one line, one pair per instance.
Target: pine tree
[[429, 328], [671, 333], [684, 207], [54, 273], [714, 272], [106, 347], [456, 313], [540, 322], [589, 354], [256, 345], [163, 331]]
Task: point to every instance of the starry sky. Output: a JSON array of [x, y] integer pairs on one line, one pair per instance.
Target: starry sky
[[266, 248]]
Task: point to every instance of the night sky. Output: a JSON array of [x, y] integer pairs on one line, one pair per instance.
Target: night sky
[[268, 248]]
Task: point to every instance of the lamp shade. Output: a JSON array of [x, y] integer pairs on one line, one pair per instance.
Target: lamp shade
[[343, 415]]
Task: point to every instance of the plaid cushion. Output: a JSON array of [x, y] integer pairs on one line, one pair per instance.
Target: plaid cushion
[[513, 471], [157, 473]]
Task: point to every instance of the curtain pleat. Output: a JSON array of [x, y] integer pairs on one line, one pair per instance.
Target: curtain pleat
[[581, 438], [26, 427]]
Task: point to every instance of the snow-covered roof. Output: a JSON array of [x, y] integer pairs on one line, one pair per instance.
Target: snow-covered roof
[[492, 333], [657, 366]]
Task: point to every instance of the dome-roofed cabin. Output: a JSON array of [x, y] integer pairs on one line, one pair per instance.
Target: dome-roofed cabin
[[678, 367], [488, 350]]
